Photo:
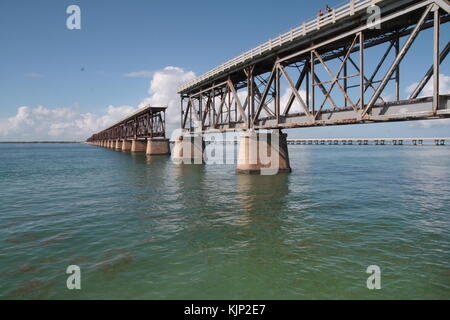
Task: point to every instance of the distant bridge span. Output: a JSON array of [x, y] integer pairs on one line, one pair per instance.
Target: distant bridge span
[[142, 131], [247, 91]]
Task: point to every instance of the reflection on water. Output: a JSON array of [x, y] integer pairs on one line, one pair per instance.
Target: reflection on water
[[260, 192], [143, 227]]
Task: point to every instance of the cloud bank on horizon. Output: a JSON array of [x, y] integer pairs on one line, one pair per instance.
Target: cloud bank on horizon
[[68, 124]]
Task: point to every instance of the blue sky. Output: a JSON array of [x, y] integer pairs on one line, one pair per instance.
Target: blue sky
[[104, 70]]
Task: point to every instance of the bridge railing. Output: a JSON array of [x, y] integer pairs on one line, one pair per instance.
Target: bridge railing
[[348, 9]]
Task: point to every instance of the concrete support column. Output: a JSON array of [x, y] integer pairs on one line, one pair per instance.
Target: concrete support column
[[118, 145], [109, 144], [126, 145], [138, 146], [188, 149], [263, 153], [158, 146]]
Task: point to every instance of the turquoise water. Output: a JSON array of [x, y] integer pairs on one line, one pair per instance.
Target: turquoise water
[[142, 227]]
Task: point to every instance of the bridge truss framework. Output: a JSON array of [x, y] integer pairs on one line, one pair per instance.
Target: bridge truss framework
[[249, 96]]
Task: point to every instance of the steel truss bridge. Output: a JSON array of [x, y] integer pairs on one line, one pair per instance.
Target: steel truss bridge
[[246, 92], [148, 122]]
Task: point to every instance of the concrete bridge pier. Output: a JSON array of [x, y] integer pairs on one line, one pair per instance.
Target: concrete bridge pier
[[263, 153], [126, 145], [158, 146], [188, 149], [138, 146], [118, 145]]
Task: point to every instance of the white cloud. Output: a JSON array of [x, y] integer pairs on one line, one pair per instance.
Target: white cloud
[[296, 107], [62, 123], [163, 92], [139, 74], [444, 86], [67, 123]]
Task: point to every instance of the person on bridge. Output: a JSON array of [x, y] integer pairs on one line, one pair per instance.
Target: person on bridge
[[320, 13], [328, 9]]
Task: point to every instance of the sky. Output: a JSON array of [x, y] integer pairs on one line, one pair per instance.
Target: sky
[[61, 84]]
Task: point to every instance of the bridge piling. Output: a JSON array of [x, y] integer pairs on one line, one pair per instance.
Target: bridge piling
[[188, 149], [138, 146], [263, 153], [157, 147], [126, 145]]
